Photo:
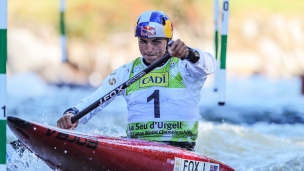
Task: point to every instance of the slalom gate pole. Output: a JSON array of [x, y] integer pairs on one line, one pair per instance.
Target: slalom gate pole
[[62, 32], [222, 71], [216, 40], [3, 93]]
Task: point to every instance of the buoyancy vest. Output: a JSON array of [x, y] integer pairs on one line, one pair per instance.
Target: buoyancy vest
[[163, 104]]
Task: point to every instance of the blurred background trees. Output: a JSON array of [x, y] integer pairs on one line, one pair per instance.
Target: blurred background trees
[[265, 37]]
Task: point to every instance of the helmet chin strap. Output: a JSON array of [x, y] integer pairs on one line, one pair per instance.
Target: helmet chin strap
[[170, 41]]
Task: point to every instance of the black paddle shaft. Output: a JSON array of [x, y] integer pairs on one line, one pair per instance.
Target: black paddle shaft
[[120, 88]]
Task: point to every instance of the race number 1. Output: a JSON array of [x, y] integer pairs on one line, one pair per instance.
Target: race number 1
[[155, 96]]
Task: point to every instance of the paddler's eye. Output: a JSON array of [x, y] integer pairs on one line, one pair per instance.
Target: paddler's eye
[[156, 42], [142, 42]]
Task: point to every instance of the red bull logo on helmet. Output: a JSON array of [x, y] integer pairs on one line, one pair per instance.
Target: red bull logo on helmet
[[148, 31]]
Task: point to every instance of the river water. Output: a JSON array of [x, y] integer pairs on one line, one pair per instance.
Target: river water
[[260, 128]]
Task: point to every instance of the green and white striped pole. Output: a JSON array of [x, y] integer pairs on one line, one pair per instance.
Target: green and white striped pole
[[3, 57], [62, 32], [216, 39], [222, 71]]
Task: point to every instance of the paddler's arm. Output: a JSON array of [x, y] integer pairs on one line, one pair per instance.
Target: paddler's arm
[[200, 62], [65, 121], [195, 63], [117, 77]]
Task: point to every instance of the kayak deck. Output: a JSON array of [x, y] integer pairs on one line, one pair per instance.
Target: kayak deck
[[68, 150]]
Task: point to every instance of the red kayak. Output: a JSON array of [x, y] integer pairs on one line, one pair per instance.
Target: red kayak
[[69, 151]]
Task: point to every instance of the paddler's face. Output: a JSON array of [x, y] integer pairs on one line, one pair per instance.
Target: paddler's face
[[152, 48]]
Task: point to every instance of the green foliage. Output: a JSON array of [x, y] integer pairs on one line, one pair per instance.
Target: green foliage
[[96, 19]]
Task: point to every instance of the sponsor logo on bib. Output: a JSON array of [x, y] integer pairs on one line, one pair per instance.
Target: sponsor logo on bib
[[155, 79]]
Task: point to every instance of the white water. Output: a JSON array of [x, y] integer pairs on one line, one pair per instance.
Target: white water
[[260, 128]]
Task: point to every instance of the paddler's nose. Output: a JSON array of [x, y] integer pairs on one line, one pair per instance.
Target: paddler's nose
[[149, 47]]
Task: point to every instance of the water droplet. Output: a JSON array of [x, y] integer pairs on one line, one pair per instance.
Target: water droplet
[[65, 151], [55, 148], [34, 128]]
